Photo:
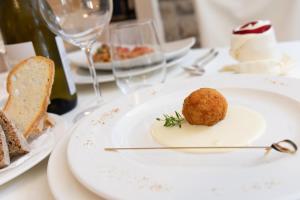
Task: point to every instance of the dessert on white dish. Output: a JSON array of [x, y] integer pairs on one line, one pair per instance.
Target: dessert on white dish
[[254, 41], [255, 47]]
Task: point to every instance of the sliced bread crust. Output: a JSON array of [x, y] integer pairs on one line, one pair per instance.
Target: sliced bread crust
[[29, 87], [4, 153], [17, 144]]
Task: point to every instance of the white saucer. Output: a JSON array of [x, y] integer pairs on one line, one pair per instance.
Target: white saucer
[[61, 182]]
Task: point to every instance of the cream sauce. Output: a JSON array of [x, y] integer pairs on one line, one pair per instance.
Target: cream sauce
[[239, 128]]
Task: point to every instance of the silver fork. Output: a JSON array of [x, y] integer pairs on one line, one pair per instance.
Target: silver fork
[[198, 67]]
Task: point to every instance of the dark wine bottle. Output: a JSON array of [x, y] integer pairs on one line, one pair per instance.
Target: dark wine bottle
[[25, 34]]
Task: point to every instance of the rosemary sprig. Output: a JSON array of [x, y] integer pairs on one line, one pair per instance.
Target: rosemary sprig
[[171, 121]]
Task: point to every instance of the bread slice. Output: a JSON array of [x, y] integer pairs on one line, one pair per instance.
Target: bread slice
[[4, 154], [29, 87], [17, 144]]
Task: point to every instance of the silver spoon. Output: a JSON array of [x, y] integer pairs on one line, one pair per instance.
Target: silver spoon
[[198, 67]]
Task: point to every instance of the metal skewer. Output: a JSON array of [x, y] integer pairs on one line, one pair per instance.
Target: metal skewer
[[278, 146]]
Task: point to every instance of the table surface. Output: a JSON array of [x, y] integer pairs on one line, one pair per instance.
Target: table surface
[[33, 183]]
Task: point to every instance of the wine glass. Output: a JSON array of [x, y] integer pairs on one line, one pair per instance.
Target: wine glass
[[79, 22], [138, 59]]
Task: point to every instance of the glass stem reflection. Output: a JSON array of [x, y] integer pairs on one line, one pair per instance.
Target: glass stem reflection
[[92, 69]]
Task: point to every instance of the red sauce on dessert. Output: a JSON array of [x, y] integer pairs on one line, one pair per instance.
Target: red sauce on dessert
[[248, 28]]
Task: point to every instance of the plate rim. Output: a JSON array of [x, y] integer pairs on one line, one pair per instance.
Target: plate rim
[[110, 77], [62, 144]]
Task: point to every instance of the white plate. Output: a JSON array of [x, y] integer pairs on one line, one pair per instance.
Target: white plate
[[40, 149], [62, 183], [172, 51], [176, 175], [82, 76]]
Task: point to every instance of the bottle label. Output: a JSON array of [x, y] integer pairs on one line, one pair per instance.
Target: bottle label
[[15, 53], [65, 64]]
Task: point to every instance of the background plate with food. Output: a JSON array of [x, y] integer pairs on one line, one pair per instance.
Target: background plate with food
[[172, 50], [82, 76]]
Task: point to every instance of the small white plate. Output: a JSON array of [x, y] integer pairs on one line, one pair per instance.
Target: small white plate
[[40, 148], [62, 183], [82, 76], [156, 174], [172, 51]]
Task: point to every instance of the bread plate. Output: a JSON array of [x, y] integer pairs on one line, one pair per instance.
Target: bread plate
[[172, 51], [155, 174], [40, 148]]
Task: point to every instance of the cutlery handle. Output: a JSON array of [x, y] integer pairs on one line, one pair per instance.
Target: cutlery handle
[[207, 60], [211, 51]]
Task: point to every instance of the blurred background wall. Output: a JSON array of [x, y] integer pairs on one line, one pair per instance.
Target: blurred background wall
[[179, 19], [212, 21], [175, 19]]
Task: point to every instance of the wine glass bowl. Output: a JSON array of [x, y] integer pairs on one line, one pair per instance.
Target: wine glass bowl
[[79, 22], [76, 21], [137, 57]]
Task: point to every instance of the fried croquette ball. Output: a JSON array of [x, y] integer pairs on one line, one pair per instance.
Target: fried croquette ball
[[205, 106]]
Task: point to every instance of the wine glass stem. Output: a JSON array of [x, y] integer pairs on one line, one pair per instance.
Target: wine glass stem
[[92, 69]]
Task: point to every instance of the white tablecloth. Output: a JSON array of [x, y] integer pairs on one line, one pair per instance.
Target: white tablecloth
[[33, 183]]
